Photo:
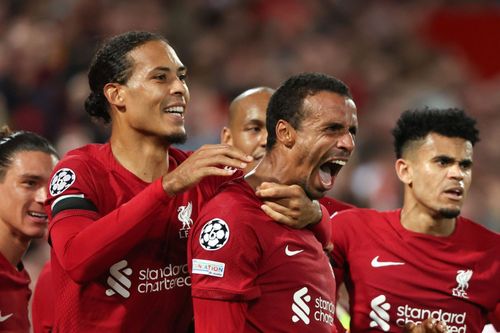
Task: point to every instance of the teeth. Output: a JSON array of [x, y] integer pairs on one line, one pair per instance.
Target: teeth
[[339, 162], [175, 109], [40, 215]]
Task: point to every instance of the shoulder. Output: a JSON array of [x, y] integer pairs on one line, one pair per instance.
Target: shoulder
[[358, 214], [478, 233], [334, 205], [88, 155]]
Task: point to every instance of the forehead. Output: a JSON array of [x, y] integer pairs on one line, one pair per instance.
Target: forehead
[[252, 107], [439, 145], [155, 54], [327, 106], [34, 163]]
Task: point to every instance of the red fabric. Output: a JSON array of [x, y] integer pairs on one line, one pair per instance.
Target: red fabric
[[124, 267], [267, 265], [429, 277], [227, 317], [14, 297], [42, 307]]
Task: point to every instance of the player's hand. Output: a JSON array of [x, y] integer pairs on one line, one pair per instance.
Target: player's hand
[[288, 204], [429, 325], [208, 160]]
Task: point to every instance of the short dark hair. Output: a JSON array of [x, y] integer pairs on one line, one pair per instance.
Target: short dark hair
[[286, 103], [112, 64], [14, 142], [415, 125]]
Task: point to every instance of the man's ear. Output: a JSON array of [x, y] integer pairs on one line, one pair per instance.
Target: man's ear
[[225, 136], [404, 171], [115, 95], [285, 133]]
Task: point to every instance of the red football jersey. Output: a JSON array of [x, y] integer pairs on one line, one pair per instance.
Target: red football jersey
[[239, 254], [334, 205], [14, 297], [119, 259], [42, 307], [395, 275]]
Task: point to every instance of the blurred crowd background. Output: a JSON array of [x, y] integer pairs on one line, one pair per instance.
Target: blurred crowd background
[[394, 55]]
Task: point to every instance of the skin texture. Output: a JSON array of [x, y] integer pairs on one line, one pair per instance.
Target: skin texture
[[246, 127], [437, 173], [143, 129], [326, 133], [24, 191], [246, 130]]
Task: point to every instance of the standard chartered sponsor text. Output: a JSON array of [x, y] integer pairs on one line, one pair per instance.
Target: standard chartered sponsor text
[[166, 278], [325, 311], [454, 321]]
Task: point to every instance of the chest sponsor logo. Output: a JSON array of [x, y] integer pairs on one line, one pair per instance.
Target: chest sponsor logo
[[405, 314], [377, 263], [324, 310], [151, 280], [214, 234], [379, 314], [118, 280], [61, 181], [291, 253], [184, 216], [463, 278], [208, 267], [4, 318]]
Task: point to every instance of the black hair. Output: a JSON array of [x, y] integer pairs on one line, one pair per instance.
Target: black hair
[[13, 142], [112, 64], [286, 103], [415, 125]]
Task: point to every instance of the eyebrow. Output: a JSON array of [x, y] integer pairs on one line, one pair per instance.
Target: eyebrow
[[31, 176], [168, 69]]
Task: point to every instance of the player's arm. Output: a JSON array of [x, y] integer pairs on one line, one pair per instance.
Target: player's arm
[[215, 316], [86, 243], [209, 160], [289, 204]]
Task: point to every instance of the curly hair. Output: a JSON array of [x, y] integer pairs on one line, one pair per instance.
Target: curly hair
[[415, 125]]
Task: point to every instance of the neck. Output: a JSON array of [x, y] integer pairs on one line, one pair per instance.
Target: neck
[[270, 169], [144, 156], [416, 219], [12, 245]]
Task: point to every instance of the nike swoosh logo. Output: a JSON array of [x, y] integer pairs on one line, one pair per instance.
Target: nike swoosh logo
[[376, 263], [4, 318], [291, 253]]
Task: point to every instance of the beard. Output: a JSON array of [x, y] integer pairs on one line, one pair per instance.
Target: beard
[[176, 138], [449, 213]]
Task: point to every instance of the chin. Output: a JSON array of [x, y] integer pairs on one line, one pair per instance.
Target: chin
[[449, 213]]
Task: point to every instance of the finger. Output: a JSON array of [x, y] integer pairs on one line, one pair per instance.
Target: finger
[[410, 327], [277, 191], [277, 216], [441, 327], [224, 149], [282, 208]]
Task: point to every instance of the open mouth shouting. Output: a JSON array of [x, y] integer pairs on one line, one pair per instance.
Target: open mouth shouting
[[328, 171]]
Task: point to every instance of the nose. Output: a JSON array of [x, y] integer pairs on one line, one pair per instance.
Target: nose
[[179, 87], [456, 172], [347, 142], [263, 138], [41, 194]]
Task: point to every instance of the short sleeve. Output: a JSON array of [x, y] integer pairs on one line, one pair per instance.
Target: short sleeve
[[224, 255]]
